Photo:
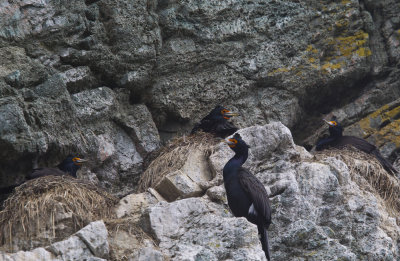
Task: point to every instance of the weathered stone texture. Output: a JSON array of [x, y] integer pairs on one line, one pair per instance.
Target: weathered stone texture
[[109, 79]]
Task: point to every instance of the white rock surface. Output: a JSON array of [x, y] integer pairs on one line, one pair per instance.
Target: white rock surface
[[196, 229], [89, 243], [186, 181]]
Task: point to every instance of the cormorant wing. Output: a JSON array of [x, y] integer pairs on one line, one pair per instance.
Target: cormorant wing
[[45, 172], [256, 191], [225, 128], [356, 142], [205, 125]]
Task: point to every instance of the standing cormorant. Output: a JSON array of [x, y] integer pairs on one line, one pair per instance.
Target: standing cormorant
[[337, 140], [68, 166], [216, 122], [246, 195]]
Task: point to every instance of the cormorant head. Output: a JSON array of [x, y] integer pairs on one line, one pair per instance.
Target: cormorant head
[[335, 129], [71, 164], [237, 144], [220, 111]]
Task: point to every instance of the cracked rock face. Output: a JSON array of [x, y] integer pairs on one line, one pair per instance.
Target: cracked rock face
[[49, 123], [321, 210], [89, 243], [57, 61], [94, 77], [110, 79]]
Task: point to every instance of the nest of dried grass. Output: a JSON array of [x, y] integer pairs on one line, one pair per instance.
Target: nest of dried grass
[[366, 170], [173, 156], [49, 209]]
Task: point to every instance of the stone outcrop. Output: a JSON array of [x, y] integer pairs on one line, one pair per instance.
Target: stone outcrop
[[89, 243], [322, 209], [112, 79]]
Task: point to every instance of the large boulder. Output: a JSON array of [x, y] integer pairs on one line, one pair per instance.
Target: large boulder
[[100, 123], [196, 229], [336, 205], [89, 243]]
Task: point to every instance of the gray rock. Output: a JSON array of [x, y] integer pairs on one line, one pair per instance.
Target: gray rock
[[149, 253], [89, 243], [78, 79], [319, 211], [52, 123], [186, 181], [134, 204], [194, 229], [94, 236], [288, 61]]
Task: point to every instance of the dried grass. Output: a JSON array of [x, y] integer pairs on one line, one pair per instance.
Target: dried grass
[[128, 225], [173, 156], [119, 252], [40, 205], [369, 174]]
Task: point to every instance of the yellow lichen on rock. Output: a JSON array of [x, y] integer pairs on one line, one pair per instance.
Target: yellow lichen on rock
[[348, 45], [279, 70], [389, 133]]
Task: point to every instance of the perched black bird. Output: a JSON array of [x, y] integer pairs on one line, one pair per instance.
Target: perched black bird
[[337, 140], [216, 122], [68, 166], [246, 195]]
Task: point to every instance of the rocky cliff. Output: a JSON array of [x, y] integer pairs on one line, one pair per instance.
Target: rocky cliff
[[114, 80]]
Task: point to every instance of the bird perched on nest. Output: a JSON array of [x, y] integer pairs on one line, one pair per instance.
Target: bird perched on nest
[[246, 195], [69, 166], [337, 140], [216, 122]]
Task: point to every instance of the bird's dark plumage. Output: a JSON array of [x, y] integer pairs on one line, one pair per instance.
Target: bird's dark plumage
[[68, 166], [246, 195], [216, 122], [337, 140]]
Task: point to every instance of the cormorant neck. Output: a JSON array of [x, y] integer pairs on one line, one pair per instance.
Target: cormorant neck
[[71, 169], [242, 156], [336, 132], [232, 166]]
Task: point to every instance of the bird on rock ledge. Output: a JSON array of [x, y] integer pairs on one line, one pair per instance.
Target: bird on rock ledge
[[216, 122], [69, 166], [338, 141], [246, 195]]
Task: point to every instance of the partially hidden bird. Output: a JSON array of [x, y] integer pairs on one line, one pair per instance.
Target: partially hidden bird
[[217, 122], [69, 166], [247, 196], [338, 141]]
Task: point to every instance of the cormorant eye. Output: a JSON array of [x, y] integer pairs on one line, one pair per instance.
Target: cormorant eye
[[224, 111], [76, 161], [234, 141]]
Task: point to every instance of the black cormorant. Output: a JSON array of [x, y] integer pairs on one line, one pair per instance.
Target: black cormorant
[[68, 166], [337, 140], [216, 122], [246, 195]]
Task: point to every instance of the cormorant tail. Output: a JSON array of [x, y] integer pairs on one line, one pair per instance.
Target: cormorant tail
[[384, 162], [196, 128], [262, 231]]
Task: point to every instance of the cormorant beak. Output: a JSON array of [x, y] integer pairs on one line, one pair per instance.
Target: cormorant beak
[[330, 123], [79, 161], [227, 142], [231, 114]]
